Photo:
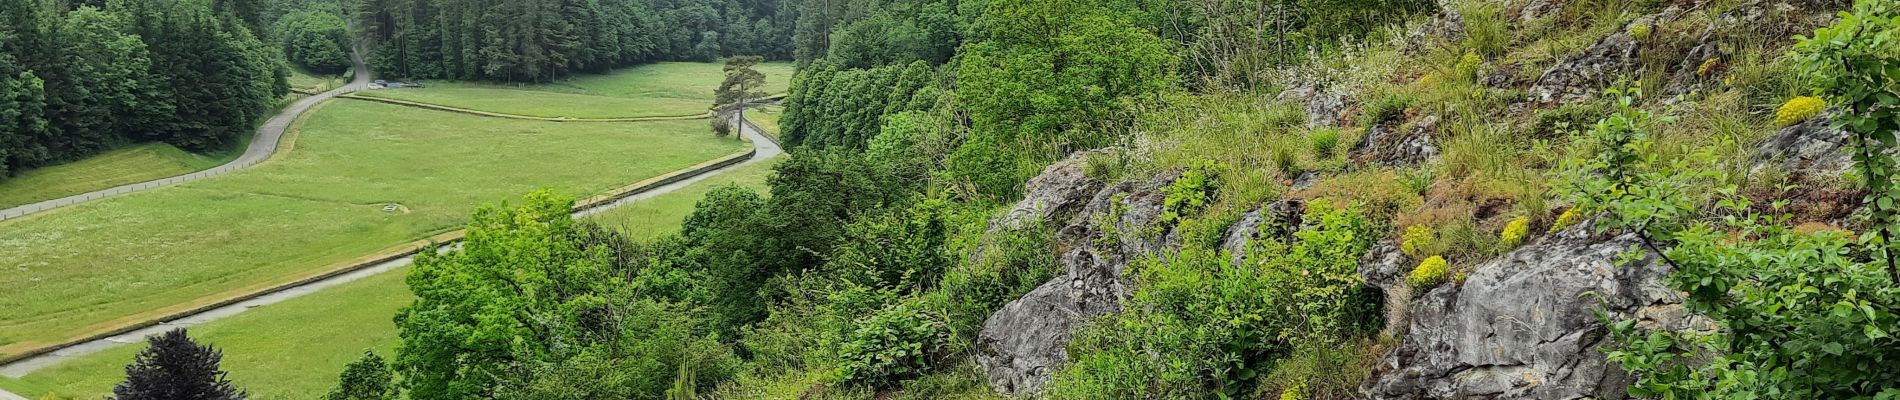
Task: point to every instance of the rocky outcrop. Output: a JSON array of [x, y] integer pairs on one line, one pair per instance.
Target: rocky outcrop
[[1521, 325], [1323, 108], [1403, 145], [1583, 75], [1749, 22], [1814, 146], [1023, 343]]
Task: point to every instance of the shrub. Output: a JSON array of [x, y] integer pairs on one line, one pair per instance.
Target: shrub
[[1199, 326], [1193, 192], [1640, 32], [1557, 122], [1515, 231], [1709, 67], [1295, 392], [176, 367], [1324, 141], [895, 344], [1429, 273], [1570, 217], [1418, 241], [1798, 109], [1468, 65]]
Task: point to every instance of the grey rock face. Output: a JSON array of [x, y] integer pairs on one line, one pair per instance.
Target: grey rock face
[[1812, 146], [1776, 20], [1323, 108], [1521, 325], [1584, 75], [1058, 192], [1024, 342], [1276, 221], [1398, 146]]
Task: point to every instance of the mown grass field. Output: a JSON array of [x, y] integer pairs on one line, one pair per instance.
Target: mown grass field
[[662, 214], [304, 80], [288, 350], [81, 269], [766, 117], [295, 349], [654, 90], [132, 164]]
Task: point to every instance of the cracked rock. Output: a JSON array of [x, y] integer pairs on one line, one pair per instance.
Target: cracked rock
[[1521, 325]]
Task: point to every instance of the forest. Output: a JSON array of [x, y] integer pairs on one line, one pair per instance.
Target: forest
[[75, 81], [1111, 199]]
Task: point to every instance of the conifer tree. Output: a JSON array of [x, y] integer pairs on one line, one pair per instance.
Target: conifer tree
[[175, 368]]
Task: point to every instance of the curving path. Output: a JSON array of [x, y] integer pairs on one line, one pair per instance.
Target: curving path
[[763, 148], [263, 145]]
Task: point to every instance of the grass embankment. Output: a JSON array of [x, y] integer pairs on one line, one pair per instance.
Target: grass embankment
[[654, 90], [311, 82], [138, 163], [288, 350], [295, 349], [87, 268], [662, 214], [766, 117]]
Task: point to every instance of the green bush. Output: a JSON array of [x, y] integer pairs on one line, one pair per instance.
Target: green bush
[[1514, 232], [1560, 121], [1428, 273], [897, 343], [1199, 326], [1193, 192], [1419, 241]]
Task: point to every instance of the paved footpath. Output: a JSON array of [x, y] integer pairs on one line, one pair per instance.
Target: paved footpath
[[262, 146], [763, 148]]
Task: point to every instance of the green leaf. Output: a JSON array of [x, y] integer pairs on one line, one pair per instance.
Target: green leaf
[[1874, 332]]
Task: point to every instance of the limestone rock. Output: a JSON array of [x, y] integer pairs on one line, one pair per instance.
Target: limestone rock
[[1521, 325], [1582, 76], [1024, 342], [1323, 108], [1059, 191], [1409, 144], [1813, 146]]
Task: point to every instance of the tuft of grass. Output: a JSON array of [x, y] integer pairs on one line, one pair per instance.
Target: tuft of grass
[[1324, 141], [1487, 33]]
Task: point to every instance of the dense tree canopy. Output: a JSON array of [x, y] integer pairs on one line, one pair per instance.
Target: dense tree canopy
[[537, 305], [77, 82], [539, 40], [315, 38]]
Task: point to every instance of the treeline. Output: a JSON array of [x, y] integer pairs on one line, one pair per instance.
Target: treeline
[[540, 40], [74, 82]]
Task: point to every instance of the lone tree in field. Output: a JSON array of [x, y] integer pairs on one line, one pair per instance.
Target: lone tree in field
[[175, 368], [741, 85], [366, 379]]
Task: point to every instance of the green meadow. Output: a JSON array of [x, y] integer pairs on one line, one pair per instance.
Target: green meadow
[[654, 90], [85, 268], [295, 349], [126, 165]]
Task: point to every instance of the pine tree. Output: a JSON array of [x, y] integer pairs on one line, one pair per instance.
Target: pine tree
[[175, 368]]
